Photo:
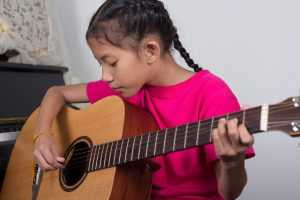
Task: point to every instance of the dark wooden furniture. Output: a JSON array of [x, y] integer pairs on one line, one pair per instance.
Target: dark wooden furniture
[[22, 88]]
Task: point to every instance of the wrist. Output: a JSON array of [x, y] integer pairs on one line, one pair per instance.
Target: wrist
[[37, 134], [237, 162]]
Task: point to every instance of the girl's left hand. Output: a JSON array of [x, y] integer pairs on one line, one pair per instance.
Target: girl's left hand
[[231, 141]]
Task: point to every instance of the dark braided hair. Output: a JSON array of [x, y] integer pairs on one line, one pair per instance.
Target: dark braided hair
[[117, 20]]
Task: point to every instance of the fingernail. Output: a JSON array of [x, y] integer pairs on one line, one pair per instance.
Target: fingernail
[[61, 159]]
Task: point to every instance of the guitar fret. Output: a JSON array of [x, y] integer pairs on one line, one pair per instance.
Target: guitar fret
[[126, 150], [155, 143], [198, 129], [121, 151], [99, 157], [147, 145], [174, 141], [136, 148], [160, 142], [151, 145], [110, 153], [191, 135], [185, 135], [94, 155], [169, 140], [105, 155], [205, 135], [94, 158], [91, 158], [132, 148], [114, 161], [97, 154], [164, 147], [140, 147], [103, 146], [102, 156]]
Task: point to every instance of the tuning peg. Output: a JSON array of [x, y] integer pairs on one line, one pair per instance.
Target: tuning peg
[[296, 126], [296, 101]]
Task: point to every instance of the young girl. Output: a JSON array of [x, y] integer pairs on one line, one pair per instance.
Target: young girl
[[132, 40]]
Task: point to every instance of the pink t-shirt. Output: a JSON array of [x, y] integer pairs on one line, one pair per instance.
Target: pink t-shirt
[[188, 174]]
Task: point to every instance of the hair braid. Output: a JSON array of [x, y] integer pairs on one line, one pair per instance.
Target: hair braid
[[179, 47]]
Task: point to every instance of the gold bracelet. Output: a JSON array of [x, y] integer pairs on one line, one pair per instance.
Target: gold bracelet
[[37, 135]]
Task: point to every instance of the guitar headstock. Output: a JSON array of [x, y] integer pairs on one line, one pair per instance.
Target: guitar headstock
[[285, 116]]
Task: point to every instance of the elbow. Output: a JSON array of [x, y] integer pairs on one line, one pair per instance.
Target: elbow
[[230, 195], [55, 92], [234, 193]]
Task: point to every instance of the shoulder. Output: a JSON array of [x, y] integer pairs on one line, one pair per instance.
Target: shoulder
[[211, 85], [215, 96]]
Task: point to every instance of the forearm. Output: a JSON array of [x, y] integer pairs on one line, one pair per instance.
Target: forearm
[[232, 178], [51, 104]]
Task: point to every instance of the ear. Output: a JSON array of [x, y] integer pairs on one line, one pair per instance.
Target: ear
[[151, 50]]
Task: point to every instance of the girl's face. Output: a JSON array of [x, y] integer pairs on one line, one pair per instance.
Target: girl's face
[[122, 69]]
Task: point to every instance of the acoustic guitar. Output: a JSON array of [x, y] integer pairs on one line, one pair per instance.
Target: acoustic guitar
[[108, 147]]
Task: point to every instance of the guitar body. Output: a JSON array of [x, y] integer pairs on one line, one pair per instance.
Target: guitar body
[[107, 120]]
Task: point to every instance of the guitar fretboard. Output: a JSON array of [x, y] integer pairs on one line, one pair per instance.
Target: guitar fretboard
[[165, 141]]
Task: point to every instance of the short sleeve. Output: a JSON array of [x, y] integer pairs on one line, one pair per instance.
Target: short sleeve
[[98, 90], [221, 102]]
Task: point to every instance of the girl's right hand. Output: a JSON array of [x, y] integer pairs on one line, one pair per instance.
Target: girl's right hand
[[46, 153]]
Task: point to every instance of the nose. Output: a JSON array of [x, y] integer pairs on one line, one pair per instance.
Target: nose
[[107, 75]]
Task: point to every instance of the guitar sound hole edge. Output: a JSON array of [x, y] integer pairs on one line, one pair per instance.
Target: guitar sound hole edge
[[75, 171]]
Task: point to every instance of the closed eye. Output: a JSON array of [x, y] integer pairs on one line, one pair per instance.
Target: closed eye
[[114, 64]]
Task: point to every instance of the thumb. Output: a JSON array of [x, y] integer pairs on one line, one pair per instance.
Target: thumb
[[60, 159]]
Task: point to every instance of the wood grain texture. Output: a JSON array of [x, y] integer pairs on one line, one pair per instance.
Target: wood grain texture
[[107, 120]]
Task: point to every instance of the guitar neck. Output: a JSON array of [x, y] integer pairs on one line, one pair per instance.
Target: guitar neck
[[170, 140]]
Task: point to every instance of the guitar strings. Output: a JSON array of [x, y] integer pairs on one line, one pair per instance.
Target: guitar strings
[[205, 123], [96, 163], [151, 143], [115, 146], [105, 163]]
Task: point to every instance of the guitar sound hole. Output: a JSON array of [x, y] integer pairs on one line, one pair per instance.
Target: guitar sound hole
[[75, 170]]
